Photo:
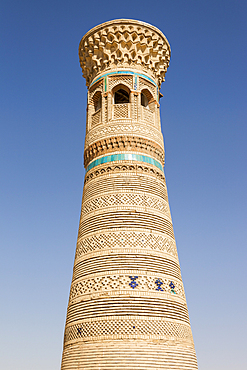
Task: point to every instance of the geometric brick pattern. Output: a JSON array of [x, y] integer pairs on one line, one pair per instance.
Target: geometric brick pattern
[[122, 282], [96, 118], [126, 127], [143, 84], [124, 43], [120, 327], [126, 239], [129, 199], [122, 168], [147, 115], [128, 81], [121, 111]]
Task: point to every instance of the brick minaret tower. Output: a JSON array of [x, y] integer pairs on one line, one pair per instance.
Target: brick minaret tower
[[127, 307]]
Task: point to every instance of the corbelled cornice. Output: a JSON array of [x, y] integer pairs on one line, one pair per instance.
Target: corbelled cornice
[[136, 144], [124, 43]]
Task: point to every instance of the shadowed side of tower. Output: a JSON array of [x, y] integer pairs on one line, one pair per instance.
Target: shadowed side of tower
[[127, 307]]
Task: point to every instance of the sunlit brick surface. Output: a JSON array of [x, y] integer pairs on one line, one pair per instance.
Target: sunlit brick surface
[[127, 307]]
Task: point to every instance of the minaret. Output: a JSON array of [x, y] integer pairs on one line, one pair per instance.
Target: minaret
[[127, 307]]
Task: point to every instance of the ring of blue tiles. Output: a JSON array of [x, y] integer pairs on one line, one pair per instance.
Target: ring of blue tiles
[[122, 157], [123, 73]]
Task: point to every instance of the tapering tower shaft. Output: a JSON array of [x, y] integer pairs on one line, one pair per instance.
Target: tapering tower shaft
[[127, 307]]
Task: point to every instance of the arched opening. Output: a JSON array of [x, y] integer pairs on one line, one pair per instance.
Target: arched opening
[[95, 115], [146, 98], [121, 94], [97, 101], [147, 106], [121, 99]]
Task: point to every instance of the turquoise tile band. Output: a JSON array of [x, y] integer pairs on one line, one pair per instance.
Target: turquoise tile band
[[123, 73], [124, 156]]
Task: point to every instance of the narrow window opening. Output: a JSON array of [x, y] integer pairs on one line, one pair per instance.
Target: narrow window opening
[[98, 104], [97, 101], [144, 100], [121, 97]]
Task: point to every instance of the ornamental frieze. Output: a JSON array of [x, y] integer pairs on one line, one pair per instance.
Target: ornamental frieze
[[114, 144]]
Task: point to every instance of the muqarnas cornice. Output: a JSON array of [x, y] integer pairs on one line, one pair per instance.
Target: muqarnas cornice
[[122, 44]]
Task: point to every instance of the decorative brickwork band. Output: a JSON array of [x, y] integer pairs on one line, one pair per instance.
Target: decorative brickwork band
[[124, 127], [121, 328], [124, 143], [143, 283], [126, 157], [141, 200], [126, 239], [122, 73]]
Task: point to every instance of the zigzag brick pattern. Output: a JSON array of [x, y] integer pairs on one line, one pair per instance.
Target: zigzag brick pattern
[[127, 307]]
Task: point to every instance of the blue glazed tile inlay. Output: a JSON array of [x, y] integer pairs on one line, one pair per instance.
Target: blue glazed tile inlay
[[133, 283], [135, 83], [123, 73], [124, 156], [78, 330], [158, 282], [172, 286]]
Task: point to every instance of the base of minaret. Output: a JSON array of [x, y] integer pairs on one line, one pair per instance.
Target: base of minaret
[[130, 354]]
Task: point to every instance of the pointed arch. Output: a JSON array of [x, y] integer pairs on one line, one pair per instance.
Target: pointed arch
[[121, 94]]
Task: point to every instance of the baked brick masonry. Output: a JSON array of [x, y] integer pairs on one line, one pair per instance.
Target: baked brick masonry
[[127, 307]]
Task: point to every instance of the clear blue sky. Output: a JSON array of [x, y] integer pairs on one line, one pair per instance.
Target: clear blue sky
[[42, 120]]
